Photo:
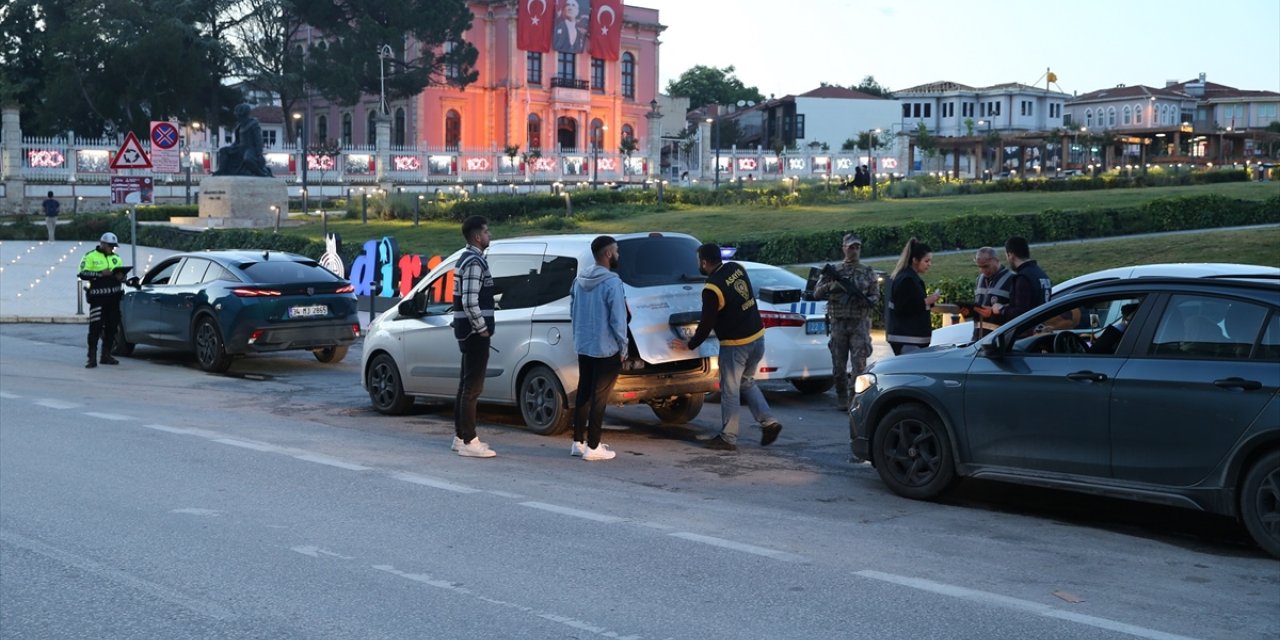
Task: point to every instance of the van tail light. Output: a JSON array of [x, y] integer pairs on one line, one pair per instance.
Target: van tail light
[[350, 288], [255, 293], [781, 319]]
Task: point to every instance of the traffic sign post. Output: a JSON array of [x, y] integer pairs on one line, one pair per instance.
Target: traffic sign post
[[130, 155], [165, 139]]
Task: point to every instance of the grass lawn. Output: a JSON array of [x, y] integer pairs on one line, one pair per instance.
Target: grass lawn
[[1068, 260], [725, 224]]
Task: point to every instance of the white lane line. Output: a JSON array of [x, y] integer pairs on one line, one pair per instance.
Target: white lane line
[[316, 552], [9, 396], [568, 621], [1018, 604], [331, 461], [249, 444], [505, 494], [186, 431], [197, 606], [426, 481], [738, 546], [107, 416], [577, 513], [54, 403]]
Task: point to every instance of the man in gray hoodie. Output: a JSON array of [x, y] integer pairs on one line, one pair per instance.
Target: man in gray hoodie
[[599, 316]]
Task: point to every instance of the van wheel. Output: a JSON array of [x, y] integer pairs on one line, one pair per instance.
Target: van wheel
[[385, 391], [331, 355], [1260, 502], [542, 402], [680, 410], [912, 453]]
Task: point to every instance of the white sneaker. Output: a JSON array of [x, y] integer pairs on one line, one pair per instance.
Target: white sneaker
[[476, 449], [457, 442], [577, 448], [601, 452]]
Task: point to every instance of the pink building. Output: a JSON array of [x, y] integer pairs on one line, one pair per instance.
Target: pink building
[[555, 102]]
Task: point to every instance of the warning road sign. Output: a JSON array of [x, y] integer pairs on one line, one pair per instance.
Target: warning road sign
[[130, 155], [164, 147]]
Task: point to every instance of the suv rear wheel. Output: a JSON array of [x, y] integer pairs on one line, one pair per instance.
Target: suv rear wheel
[[1260, 502], [542, 402], [912, 453], [678, 410]]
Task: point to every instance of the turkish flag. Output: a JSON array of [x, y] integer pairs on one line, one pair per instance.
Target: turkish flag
[[533, 30], [605, 40]]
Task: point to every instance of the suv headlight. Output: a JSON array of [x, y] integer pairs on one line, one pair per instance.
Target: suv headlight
[[864, 382]]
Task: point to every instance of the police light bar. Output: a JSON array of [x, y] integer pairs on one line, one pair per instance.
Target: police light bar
[[727, 253]]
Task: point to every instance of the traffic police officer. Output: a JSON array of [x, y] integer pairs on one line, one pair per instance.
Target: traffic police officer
[[100, 268], [994, 284], [852, 290]]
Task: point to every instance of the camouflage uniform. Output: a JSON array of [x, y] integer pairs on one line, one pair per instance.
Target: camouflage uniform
[[849, 320]]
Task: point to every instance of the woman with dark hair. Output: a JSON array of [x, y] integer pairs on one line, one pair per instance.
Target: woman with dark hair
[[908, 320]]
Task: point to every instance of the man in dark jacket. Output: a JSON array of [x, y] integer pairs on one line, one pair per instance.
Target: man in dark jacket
[[101, 268], [1032, 286], [730, 309]]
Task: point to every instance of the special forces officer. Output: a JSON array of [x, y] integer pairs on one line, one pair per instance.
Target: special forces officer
[[852, 291], [101, 267]]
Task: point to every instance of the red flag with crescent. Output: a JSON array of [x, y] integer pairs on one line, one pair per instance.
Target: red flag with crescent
[[533, 28], [605, 40]]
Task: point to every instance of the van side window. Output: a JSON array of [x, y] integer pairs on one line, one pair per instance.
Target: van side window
[[555, 280], [514, 278], [437, 296]]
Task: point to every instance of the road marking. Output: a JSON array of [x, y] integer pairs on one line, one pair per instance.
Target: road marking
[[316, 552], [107, 416], [505, 494], [53, 403], [9, 396], [249, 444], [186, 431], [573, 623], [1018, 604], [426, 481], [328, 460], [195, 511], [200, 607], [577, 513], [738, 546]]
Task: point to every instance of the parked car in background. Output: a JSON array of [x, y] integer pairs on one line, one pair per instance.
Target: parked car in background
[[410, 351], [1163, 390], [962, 332], [795, 347], [223, 304]]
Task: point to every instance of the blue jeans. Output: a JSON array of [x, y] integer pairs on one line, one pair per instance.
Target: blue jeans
[[737, 380]]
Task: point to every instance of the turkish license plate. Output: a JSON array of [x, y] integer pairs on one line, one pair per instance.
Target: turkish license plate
[[309, 311], [813, 327]]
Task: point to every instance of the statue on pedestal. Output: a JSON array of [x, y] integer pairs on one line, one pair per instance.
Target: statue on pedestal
[[244, 156]]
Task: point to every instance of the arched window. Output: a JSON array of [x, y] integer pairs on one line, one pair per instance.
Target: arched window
[[1127, 118], [322, 130], [397, 128], [1111, 117], [346, 129], [1137, 114], [1088, 118], [452, 130], [567, 133], [628, 133], [628, 75], [597, 133], [534, 133]]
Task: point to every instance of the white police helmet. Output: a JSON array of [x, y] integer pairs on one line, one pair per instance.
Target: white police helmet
[[109, 238]]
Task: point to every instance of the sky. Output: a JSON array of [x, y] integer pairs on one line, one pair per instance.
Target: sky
[[792, 46]]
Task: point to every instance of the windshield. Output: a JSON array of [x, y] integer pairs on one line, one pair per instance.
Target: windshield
[[776, 277], [658, 260]]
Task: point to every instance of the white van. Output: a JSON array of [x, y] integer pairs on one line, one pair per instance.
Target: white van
[[410, 351]]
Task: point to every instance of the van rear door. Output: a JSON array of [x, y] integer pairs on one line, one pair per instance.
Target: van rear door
[[664, 293]]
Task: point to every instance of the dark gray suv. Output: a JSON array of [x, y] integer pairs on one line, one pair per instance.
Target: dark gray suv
[[1161, 390]]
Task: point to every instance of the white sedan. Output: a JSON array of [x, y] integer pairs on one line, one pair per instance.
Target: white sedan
[[795, 329]]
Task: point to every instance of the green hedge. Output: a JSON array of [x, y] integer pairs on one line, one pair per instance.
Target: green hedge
[[976, 230]]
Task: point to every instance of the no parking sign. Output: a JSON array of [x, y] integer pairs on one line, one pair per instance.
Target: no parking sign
[[164, 147]]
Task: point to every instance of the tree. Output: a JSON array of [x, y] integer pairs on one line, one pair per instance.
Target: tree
[[704, 85], [347, 65], [869, 85], [269, 52]]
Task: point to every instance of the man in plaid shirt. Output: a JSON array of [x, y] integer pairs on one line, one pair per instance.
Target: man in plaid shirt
[[473, 327]]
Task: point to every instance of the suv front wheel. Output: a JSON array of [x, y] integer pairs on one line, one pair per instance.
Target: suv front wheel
[[912, 453], [542, 402]]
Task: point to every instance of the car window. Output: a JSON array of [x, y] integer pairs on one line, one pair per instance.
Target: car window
[[1207, 327], [555, 279], [218, 272], [162, 273], [1088, 326], [774, 277], [658, 260], [1269, 348], [514, 280], [282, 271], [192, 272], [436, 296]]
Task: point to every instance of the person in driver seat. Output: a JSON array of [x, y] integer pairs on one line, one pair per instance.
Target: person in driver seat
[[1111, 336]]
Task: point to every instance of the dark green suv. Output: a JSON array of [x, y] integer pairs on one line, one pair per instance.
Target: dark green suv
[[1160, 389]]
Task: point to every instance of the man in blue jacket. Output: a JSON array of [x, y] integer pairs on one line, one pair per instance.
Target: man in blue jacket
[[598, 313]]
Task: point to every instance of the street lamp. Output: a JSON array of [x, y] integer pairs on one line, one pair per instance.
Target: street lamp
[[988, 141], [384, 52], [871, 160], [715, 142], [597, 139], [301, 123], [193, 126]]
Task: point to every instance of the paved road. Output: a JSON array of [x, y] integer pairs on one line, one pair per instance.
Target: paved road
[[153, 500]]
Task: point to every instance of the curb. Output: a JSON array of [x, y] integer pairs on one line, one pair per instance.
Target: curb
[[44, 319]]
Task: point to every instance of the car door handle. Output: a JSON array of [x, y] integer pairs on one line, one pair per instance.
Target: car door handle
[[1087, 376], [1238, 383]]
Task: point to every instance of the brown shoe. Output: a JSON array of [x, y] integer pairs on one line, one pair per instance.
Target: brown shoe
[[720, 444], [769, 433]]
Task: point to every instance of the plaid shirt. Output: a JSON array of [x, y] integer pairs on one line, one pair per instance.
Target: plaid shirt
[[467, 283]]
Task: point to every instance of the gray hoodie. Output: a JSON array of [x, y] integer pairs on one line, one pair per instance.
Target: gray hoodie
[[599, 314]]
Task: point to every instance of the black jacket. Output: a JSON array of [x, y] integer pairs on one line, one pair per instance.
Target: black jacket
[[729, 308], [908, 317]]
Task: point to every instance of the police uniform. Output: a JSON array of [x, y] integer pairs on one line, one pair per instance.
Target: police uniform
[[849, 320], [988, 291], [104, 299]]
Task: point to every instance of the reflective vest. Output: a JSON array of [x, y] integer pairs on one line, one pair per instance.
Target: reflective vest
[[102, 289], [985, 294]]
